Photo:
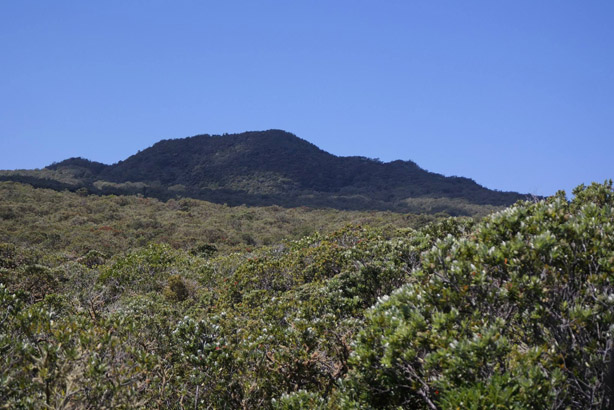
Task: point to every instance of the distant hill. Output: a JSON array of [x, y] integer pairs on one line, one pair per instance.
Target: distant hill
[[266, 168]]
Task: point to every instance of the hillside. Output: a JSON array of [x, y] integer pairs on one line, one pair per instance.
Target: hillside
[[74, 224], [513, 311], [268, 168]]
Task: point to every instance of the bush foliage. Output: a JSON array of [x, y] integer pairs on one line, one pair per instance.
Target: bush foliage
[[512, 311]]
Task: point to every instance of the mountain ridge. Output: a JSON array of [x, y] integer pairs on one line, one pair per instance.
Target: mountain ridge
[[272, 167]]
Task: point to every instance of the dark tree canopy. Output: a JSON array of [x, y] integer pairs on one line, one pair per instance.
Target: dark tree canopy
[[269, 168]]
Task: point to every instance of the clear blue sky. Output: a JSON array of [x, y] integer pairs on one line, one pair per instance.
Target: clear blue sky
[[518, 95]]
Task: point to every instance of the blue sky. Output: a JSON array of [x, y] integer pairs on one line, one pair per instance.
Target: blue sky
[[518, 95]]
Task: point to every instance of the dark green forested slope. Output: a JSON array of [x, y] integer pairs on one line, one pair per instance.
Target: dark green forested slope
[[267, 168], [512, 311]]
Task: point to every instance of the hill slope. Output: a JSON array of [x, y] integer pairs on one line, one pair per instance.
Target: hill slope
[[515, 311], [266, 168]]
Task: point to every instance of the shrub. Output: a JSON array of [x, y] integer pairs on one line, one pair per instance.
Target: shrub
[[519, 312], [175, 289]]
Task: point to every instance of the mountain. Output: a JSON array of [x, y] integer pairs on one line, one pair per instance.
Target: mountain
[[266, 168]]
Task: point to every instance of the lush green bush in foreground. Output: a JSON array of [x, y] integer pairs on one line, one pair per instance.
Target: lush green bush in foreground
[[519, 313], [514, 311]]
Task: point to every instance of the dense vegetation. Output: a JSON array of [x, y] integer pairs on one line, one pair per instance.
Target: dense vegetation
[[515, 310], [266, 168], [74, 223]]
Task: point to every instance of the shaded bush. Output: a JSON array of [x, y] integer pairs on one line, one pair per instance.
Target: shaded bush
[[176, 289]]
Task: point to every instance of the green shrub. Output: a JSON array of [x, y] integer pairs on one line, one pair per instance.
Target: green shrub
[[520, 309], [176, 289]]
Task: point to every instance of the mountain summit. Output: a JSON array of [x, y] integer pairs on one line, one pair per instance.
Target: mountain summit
[[266, 168]]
